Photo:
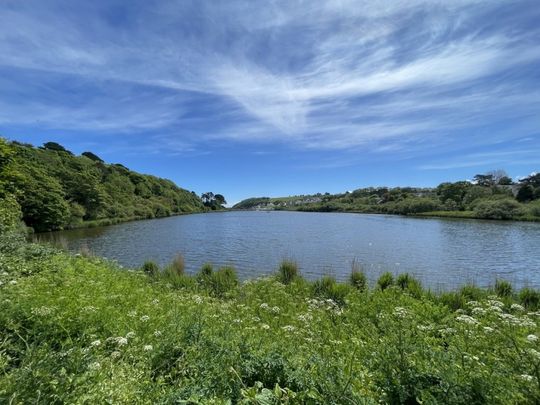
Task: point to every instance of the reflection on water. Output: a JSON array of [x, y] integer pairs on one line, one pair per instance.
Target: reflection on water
[[442, 253]]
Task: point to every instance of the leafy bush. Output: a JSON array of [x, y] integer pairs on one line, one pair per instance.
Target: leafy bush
[[287, 272], [385, 280], [498, 209]]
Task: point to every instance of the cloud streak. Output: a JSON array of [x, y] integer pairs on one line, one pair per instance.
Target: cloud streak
[[331, 75]]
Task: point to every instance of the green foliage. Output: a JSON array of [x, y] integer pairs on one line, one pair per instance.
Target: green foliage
[[151, 268], [406, 282], [358, 280], [223, 281], [385, 280], [92, 156], [213, 201], [288, 271], [57, 190], [10, 215], [525, 193], [498, 209], [55, 147], [530, 298], [503, 288], [328, 288], [454, 192]]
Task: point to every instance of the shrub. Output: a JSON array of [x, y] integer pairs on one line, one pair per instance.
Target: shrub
[[503, 288], [385, 280], [150, 267], [529, 298], [287, 272], [534, 208], [505, 208]]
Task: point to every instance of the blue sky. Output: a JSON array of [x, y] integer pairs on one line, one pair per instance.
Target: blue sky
[[252, 98]]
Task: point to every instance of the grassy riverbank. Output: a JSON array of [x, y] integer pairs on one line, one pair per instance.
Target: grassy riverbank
[[82, 330]]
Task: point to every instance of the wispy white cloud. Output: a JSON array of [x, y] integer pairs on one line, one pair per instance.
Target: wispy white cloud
[[333, 74]]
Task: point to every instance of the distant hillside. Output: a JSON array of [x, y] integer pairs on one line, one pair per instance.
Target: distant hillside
[[488, 197], [58, 190]]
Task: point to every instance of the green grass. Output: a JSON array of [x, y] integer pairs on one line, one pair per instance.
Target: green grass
[[82, 330]]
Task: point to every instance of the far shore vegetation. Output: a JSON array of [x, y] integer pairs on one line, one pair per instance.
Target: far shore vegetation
[[58, 190], [488, 196]]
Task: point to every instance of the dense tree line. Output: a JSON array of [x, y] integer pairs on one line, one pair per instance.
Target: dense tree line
[[56, 189], [492, 196]]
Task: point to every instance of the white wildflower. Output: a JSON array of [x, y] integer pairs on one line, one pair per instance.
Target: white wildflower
[[526, 377], [336, 342], [275, 310], [264, 306], [534, 353], [532, 338], [400, 312], [288, 328], [488, 329], [121, 341], [467, 319], [479, 311], [157, 333], [496, 303], [517, 307], [94, 366], [148, 348], [13, 282], [155, 301], [130, 335], [89, 309], [132, 314], [237, 320], [42, 311], [256, 319], [473, 304], [494, 308], [145, 318], [198, 299], [96, 343], [265, 326], [115, 354]]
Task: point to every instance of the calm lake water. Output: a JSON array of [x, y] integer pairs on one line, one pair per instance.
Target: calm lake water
[[442, 253]]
